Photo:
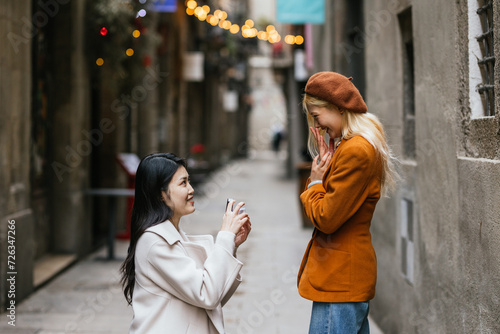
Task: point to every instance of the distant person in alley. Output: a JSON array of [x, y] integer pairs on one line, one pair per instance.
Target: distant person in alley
[[339, 269], [178, 283]]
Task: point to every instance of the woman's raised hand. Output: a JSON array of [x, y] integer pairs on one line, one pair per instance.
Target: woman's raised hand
[[323, 148], [242, 235], [232, 221], [318, 169]]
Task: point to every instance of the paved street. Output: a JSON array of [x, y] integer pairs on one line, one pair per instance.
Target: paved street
[[88, 299]]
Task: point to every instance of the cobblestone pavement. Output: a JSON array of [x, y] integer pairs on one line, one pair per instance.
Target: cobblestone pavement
[[87, 297]]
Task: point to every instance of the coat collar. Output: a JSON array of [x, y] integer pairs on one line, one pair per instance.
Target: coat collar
[[168, 232]]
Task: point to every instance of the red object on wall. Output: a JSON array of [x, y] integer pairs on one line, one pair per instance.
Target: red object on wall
[[129, 163]]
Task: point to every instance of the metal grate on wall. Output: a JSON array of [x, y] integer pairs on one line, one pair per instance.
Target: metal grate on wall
[[487, 63]]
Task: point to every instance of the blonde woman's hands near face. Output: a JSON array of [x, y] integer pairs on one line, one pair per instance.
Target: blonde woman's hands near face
[[318, 169], [325, 154], [322, 146], [232, 221]]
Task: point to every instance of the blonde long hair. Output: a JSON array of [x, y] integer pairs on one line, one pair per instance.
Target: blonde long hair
[[366, 125]]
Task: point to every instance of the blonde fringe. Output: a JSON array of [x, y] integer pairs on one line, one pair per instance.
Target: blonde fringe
[[366, 125]]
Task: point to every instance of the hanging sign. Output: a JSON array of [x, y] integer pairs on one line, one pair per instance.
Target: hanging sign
[[193, 69], [300, 11], [165, 6]]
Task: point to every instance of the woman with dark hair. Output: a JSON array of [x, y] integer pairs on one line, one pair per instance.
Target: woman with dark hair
[[177, 283]]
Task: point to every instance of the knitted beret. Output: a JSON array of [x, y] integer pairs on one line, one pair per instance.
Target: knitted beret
[[337, 89]]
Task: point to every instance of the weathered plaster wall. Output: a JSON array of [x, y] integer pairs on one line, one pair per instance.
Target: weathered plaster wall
[[455, 288], [15, 129]]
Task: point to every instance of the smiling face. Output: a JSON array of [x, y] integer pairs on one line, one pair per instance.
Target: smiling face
[[179, 196], [329, 120]]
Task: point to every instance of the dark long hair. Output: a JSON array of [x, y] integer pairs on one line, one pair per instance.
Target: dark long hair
[[152, 177]]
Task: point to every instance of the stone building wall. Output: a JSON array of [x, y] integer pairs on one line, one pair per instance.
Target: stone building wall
[[437, 236], [451, 179], [15, 127]]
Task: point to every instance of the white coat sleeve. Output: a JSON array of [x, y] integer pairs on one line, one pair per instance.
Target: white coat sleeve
[[174, 271]]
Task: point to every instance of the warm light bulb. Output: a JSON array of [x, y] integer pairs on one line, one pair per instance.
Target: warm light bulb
[[289, 39], [206, 9], [192, 4], [136, 33], [270, 28], [190, 11], [213, 21], [99, 61], [234, 28], [226, 25], [299, 40], [129, 52], [249, 23]]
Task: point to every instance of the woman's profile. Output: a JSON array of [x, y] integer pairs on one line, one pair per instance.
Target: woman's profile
[[177, 283]]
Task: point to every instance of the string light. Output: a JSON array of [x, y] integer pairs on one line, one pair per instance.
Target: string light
[[130, 52], [99, 61], [136, 33], [104, 31], [248, 30], [234, 29]]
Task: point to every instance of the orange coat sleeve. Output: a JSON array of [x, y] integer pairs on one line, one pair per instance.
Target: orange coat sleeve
[[344, 189]]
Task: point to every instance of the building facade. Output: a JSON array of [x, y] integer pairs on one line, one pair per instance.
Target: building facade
[[66, 114], [429, 70]]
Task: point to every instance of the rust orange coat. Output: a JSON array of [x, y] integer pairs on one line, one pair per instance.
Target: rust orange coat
[[339, 264]]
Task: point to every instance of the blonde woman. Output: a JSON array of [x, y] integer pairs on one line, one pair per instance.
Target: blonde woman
[[348, 176]]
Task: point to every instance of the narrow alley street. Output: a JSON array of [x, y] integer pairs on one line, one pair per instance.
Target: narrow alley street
[[90, 87]]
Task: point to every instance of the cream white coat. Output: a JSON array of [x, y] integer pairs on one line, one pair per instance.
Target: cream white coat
[[182, 282]]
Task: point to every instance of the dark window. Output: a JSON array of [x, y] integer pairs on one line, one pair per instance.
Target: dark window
[[407, 242], [356, 39], [405, 24]]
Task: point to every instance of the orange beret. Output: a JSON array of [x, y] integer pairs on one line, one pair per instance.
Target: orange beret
[[337, 89]]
